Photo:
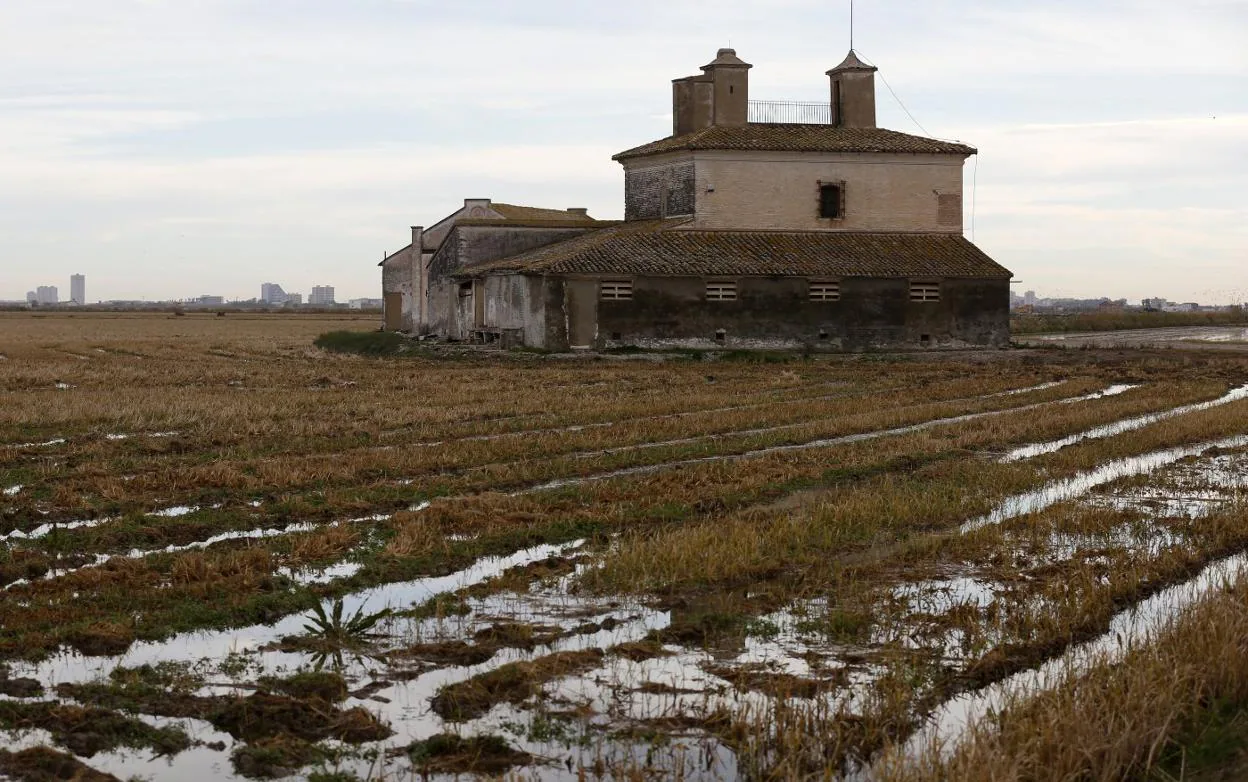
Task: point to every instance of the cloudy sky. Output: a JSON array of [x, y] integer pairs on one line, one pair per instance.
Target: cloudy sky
[[172, 148]]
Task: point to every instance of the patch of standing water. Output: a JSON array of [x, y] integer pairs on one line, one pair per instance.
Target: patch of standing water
[[1125, 425], [940, 596], [219, 643], [43, 530], [45, 444], [1127, 629], [1058, 491], [1187, 490], [824, 443]]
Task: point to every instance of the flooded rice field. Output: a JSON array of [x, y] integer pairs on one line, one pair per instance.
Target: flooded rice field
[[507, 566]]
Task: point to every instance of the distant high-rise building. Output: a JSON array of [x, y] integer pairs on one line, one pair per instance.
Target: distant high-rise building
[[47, 294], [272, 293], [294, 299], [78, 288], [32, 297], [1029, 298], [321, 295]]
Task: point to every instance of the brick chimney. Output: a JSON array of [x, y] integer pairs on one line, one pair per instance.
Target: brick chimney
[[853, 93], [720, 95]]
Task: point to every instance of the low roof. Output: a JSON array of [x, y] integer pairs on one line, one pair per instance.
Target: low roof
[[666, 247], [402, 249], [513, 212], [788, 137]]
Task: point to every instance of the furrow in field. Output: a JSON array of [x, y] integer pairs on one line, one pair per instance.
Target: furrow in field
[[194, 645], [821, 443], [1120, 427], [1128, 628], [1070, 488], [293, 471]]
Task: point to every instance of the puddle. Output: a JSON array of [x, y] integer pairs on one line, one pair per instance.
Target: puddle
[[842, 440], [64, 386], [1185, 490], [941, 596], [43, 530], [339, 571], [220, 643], [308, 576], [45, 444], [1038, 500], [1017, 391], [1127, 629], [1119, 427]]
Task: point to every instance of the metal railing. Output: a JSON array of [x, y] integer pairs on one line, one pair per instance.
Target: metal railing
[[790, 112]]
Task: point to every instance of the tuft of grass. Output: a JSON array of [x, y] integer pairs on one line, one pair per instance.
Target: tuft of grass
[[365, 343]]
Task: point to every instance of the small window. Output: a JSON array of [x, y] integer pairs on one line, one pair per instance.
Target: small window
[[616, 290], [465, 288], [832, 201], [721, 291], [825, 290], [925, 291]]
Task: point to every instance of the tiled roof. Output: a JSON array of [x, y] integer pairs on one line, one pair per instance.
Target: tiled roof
[[786, 137], [513, 212], [567, 222], [663, 247]]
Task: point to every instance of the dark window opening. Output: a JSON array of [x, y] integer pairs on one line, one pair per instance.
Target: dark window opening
[[823, 335], [721, 336], [925, 339], [616, 336], [830, 201]]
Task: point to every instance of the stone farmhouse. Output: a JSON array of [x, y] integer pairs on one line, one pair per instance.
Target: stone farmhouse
[[754, 225]]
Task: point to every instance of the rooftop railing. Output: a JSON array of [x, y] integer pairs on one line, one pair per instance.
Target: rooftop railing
[[790, 112]]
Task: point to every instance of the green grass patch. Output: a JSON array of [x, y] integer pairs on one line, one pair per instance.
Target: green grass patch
[[365, 343]]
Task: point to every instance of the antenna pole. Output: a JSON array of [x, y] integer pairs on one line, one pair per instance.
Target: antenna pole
[[851, 25]]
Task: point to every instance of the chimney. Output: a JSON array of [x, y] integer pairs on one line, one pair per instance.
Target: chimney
[[418, 235], [853, 93], [720, 95], [579, 211]]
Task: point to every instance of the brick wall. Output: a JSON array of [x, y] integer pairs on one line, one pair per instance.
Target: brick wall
[[780, 190], [663, 190]]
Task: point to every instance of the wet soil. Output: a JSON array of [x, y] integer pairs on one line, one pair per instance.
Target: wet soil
[[43, 764]]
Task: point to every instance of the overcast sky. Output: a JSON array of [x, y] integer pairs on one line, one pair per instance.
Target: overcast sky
[[172, 148]]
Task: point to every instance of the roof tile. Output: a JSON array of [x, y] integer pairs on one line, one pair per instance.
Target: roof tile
[[666, 247], [788, 137]]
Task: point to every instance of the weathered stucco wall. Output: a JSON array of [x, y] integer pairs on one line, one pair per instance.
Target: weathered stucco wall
[[469, 245], [777, 313], [660, 189], [398, 275], [780, 190], [515, 301]]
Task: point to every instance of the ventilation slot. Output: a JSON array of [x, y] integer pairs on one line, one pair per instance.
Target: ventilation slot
[[721, 291], [924, 291], [825, 291], [617, 290]]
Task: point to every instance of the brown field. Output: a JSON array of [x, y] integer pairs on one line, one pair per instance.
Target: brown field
[[226, 552]]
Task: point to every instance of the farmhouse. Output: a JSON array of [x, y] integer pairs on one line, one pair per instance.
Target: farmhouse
[[755, 224]]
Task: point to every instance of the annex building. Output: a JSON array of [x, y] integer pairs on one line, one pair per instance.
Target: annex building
[[755, 225]]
